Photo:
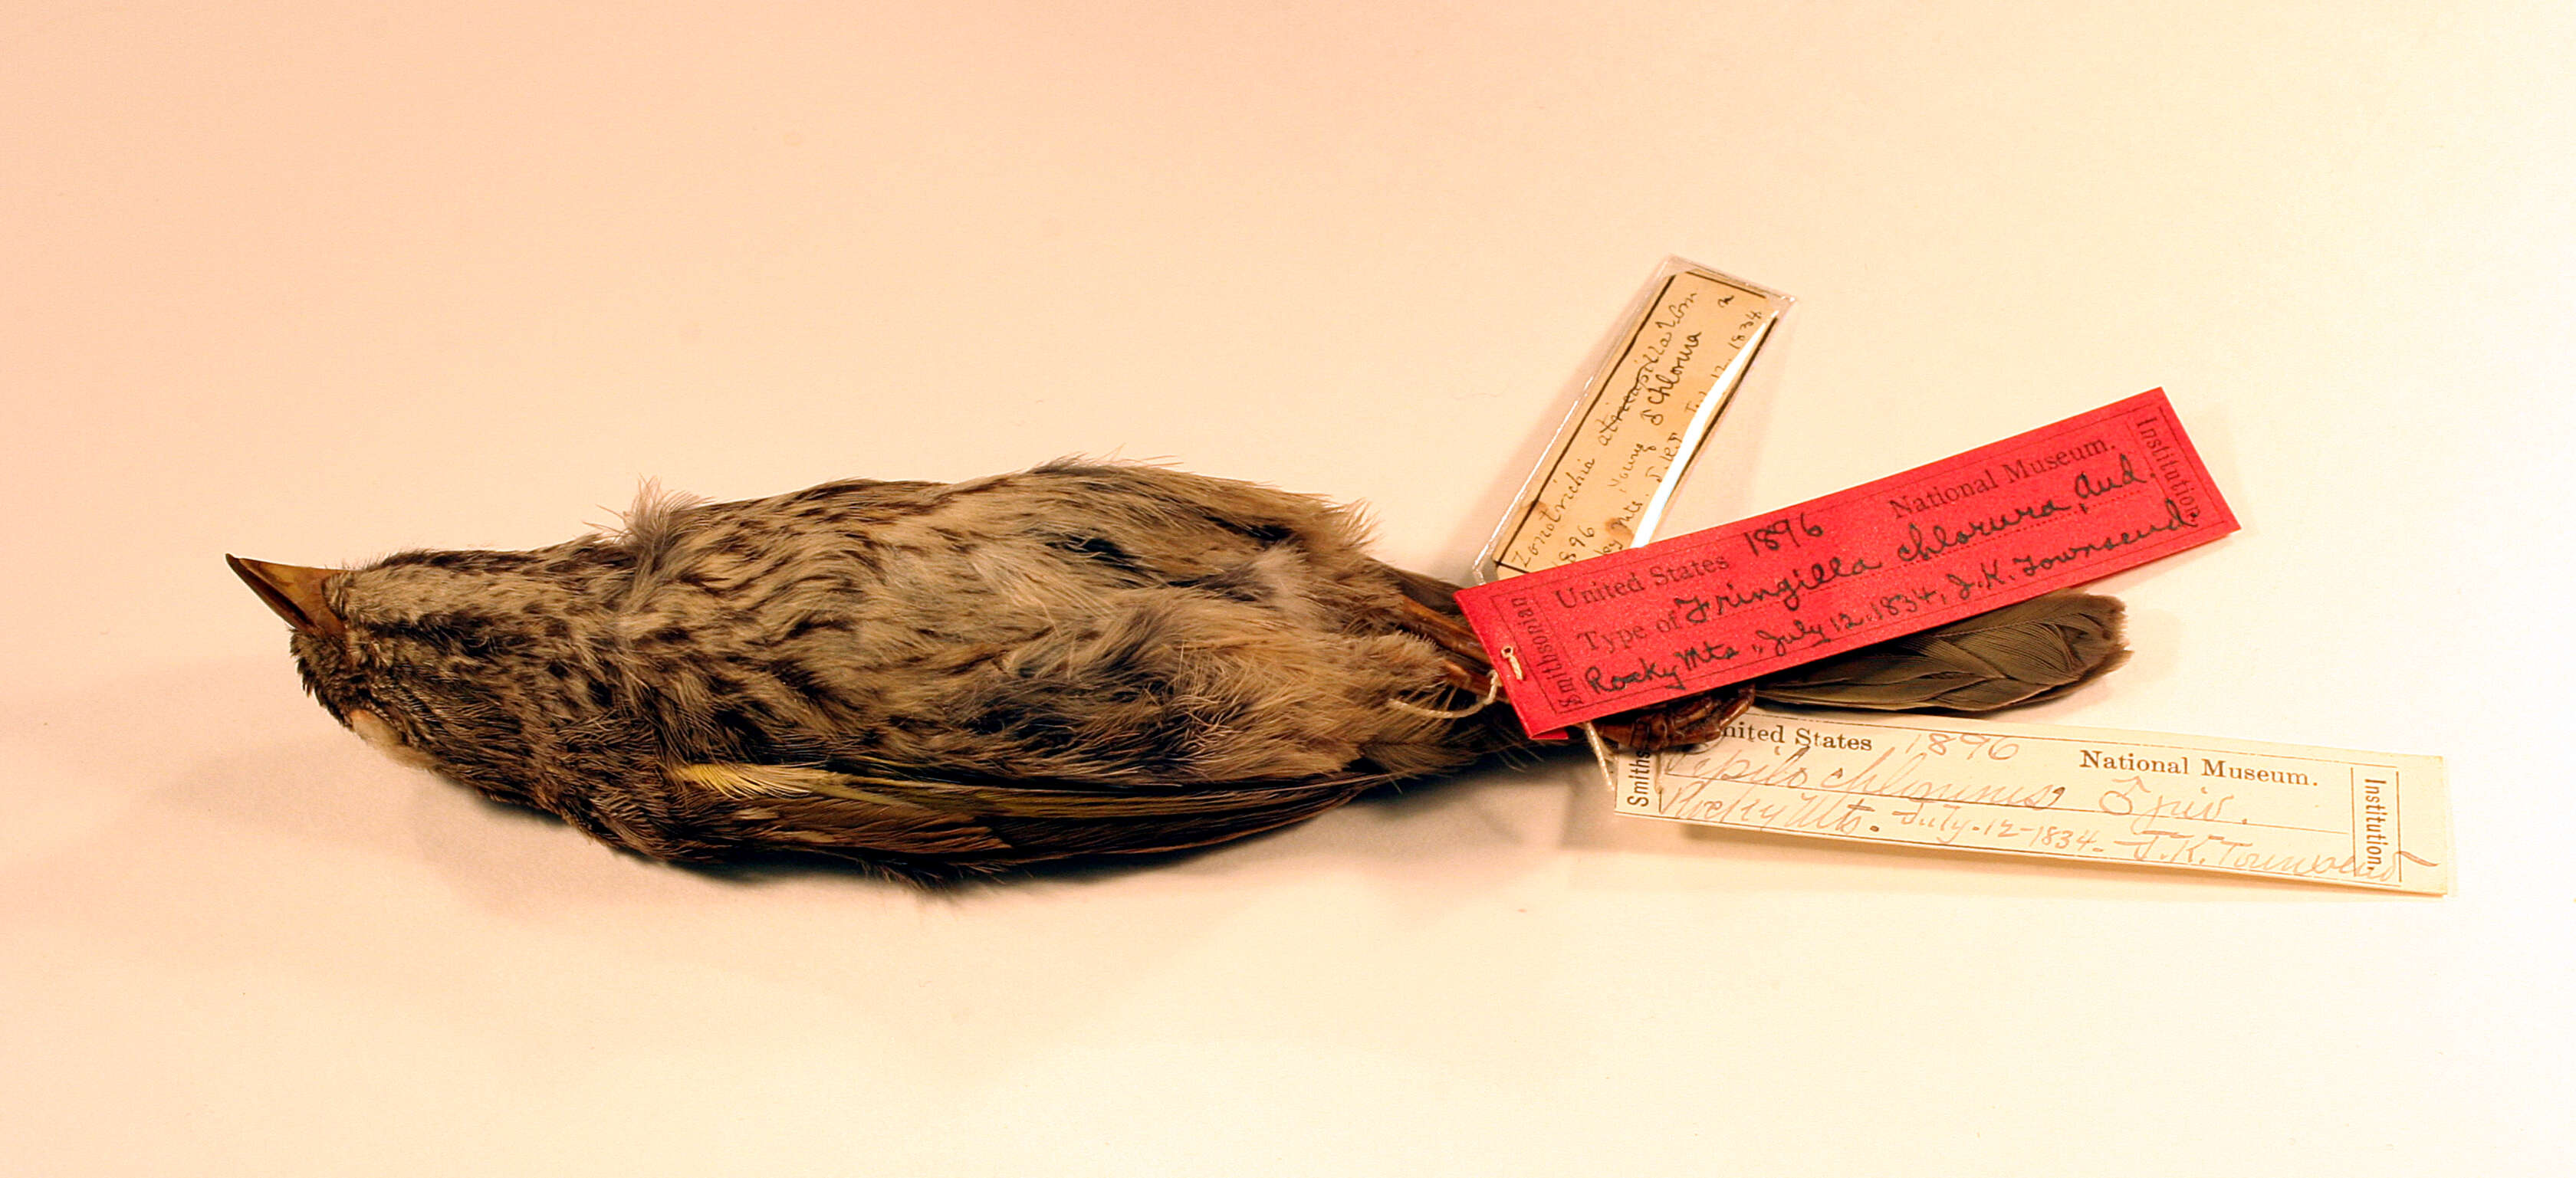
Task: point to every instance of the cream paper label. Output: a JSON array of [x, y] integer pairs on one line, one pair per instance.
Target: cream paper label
[[1604, 482], [2320, 815]]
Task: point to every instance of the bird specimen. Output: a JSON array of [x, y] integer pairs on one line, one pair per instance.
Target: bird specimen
[[940, 680]]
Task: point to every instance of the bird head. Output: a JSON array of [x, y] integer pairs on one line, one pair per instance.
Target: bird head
[[460, 662]]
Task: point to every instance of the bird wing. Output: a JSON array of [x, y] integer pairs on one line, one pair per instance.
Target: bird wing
[[944, 827]]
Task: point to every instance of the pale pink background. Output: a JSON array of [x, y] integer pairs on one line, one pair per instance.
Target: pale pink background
[[314, 282]]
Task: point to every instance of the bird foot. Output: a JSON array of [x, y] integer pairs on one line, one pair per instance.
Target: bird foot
[[1677, 723]]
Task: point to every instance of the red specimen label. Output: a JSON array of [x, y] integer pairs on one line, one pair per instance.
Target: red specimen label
[[2055, 507]]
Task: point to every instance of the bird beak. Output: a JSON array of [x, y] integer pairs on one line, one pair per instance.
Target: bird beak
[[294, 592]]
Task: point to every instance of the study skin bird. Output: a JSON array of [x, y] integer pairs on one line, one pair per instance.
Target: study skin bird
[[941, 680]]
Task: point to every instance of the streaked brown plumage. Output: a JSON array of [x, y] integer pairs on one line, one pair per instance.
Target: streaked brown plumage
[[935, 679]]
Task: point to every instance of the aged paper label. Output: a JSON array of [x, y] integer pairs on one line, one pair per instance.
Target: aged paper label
[[2376, 820], [2043, 510], [1604, 482]]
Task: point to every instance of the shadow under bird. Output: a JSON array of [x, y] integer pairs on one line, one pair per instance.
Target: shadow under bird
[[949, 679]]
